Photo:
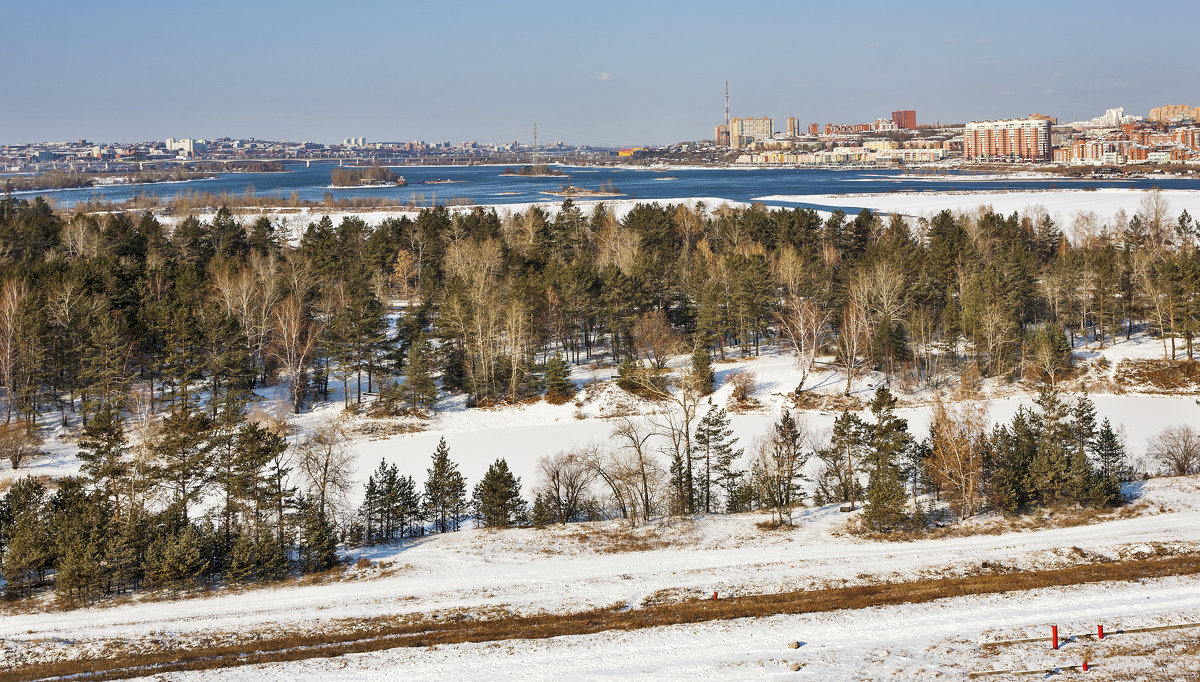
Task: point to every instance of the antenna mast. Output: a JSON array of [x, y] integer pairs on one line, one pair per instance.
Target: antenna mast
[[726, 101], [534, 159]]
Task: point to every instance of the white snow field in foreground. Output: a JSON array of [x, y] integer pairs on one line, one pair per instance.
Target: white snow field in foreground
[[530, 571], [935, 640]]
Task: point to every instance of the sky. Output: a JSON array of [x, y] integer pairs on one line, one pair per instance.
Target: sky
[[603, 73]]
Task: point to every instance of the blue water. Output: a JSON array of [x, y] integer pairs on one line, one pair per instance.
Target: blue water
[[486, 185]]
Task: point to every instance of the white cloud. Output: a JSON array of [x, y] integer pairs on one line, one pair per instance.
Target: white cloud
[[604, 76]]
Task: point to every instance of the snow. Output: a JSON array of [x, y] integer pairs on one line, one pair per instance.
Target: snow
[[1061, 204], [935, 640], [523, 434], [563, 569]]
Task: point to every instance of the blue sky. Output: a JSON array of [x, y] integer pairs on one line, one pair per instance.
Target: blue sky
[[607, 72]]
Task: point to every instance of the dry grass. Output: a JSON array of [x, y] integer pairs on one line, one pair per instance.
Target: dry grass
[[1182, 376], [380, 634], [1062, 517]]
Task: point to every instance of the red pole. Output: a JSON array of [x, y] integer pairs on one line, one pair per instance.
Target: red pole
[[1085, 665], [1100, 631], [1054, 636], [714, 595]]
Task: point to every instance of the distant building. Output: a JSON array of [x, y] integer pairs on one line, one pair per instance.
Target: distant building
[[743, 131], [793, 127], [721, 135], [187, 145], [1022, 139], [1174, 112], [814, 128], [905, 119]]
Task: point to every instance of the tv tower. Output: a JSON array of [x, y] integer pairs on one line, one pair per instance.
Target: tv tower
[[726, 102]]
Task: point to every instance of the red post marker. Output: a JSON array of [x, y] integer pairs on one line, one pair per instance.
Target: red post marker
[[1054, 636], [1084, 668], [714, 595], [1100, 631]]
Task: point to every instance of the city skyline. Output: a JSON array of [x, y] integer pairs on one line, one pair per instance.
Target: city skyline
[[468, 70]]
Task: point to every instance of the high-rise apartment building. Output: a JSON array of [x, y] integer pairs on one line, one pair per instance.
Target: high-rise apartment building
[[1174, 112], [1022, 139], [721, 135], [814, 128], [905, 119], [793, 127], [743, 131]]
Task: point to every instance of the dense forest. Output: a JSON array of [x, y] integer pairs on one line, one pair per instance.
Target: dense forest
[[151, 341]]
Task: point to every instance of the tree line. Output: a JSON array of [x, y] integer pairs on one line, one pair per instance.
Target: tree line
[[156, 343]]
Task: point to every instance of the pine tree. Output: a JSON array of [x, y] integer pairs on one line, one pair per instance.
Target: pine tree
[[497, 498], [1083, 425], [848, 445], [702, 375], [559, 387], [26, 555], [78, 574], [185, 452], [243, 560], [1110, 452], [317, 545], [177, 562], [889, 443], [102, 451], [420, 391], [714, 445], [445, 490]]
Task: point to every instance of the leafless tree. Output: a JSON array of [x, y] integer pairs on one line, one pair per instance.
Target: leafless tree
[[632, 471], [852, 342], [19, 442], [327, 464], [956, 455], [802, 324], [1177, 449], [566, 478], [12, 295], [295, 339], [655, 339]]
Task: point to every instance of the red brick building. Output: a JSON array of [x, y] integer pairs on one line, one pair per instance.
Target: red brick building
[[905, 119]]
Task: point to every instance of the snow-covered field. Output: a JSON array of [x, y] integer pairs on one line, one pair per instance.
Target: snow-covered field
[[526, 571], [936, 640], [1060, 204]]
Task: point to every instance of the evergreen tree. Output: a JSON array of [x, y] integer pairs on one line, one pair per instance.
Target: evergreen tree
[[420, 391], [702, 375], [316, 547], [102, 451], [889, 443], [559, 387], [27, 553], [715, 446], [848, 444], [445, 490], [177, 562], [1083, 425], [497, 498], [185, 452], [1110, 452]]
